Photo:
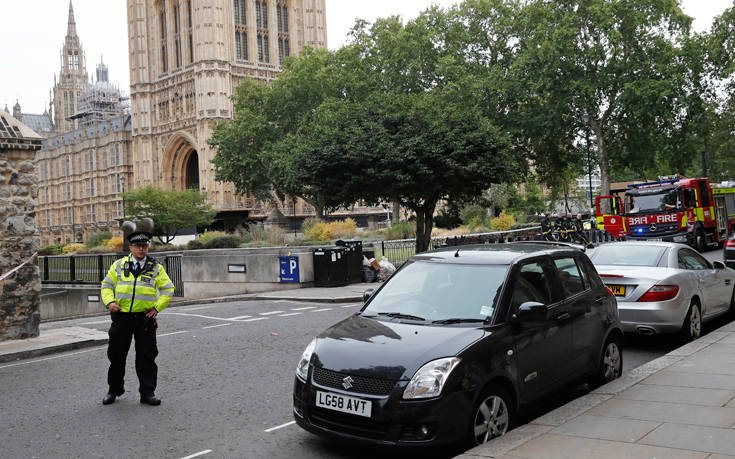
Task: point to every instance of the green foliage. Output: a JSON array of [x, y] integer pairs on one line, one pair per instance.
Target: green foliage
[[100, 249], [209, 235], [98, 239], [170, 210], [473, 215], [52, 249], [503, 222], [402, 230], [448, 217], [224, 242], [195, 244], [530, 204]]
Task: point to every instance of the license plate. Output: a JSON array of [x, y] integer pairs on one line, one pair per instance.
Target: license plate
[[618, 290], [338, 402], [654, 239]]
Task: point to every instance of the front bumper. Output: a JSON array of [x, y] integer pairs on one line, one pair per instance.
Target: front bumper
[[655, 317], [393, 422], [681, 237]]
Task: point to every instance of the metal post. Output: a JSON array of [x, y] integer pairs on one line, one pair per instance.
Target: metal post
[[586, 118]]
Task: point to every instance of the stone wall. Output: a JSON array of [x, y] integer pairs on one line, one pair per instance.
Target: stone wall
[[19, 237]]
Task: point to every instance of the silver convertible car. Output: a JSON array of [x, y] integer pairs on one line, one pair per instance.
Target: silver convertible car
[[663, 287]]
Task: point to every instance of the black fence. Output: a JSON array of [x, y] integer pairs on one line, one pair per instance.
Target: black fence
[[91, 269], [398, 251]]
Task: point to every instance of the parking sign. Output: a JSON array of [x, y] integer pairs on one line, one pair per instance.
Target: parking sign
[[289, 268]]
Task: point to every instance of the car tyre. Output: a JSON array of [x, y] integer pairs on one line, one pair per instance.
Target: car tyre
[[610, 365], [700, 241], [692, 328], [492, 416]]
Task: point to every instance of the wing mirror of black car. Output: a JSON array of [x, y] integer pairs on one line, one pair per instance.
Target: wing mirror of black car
[[718, 265], [367, 294], [532, 311]]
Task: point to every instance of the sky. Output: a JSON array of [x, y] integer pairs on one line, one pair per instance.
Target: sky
[[34, 31]]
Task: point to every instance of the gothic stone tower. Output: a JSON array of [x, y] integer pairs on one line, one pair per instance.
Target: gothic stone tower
[[73, 79], [186, 59]]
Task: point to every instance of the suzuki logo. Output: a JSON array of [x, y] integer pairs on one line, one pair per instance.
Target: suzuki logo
[[652, 227], [347, 382]]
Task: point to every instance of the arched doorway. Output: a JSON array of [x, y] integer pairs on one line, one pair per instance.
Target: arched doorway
[[191, 174], [181, 168]]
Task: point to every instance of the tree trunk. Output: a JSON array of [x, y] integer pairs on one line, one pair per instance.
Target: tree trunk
[[396, 215], [602, 160], [424, 225]]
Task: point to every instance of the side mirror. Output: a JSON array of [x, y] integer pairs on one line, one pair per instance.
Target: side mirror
[[718, 265], [367, 294], [532, 311]]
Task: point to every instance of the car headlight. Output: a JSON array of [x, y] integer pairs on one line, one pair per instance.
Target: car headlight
[[430, 379], [302, 369]]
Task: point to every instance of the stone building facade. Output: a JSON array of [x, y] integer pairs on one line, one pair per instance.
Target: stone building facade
[[19, 238]]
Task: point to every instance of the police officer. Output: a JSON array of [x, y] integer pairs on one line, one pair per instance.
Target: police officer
[[547, 227], [135, 290]]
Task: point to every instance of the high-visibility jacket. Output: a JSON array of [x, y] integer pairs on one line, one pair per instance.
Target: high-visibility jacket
[[152, 288]]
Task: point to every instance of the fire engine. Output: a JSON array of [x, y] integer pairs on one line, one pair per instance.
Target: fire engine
[[674, 209]]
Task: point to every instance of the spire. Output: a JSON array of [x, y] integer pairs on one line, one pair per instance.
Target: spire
[[71, 29]]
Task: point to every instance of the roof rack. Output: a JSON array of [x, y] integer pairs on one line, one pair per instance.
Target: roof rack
[[571, 245]]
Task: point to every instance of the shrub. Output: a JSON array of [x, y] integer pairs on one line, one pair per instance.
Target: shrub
[[98, 239], [195, 244], [99, 249], [473, 213], [318, 232], [447, 219], [115, 244], [503, 222], [209, 235], [52, 249], [309, 224], [403, 230], [73, 248], [224, 242]]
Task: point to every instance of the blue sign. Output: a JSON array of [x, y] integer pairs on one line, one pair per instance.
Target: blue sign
[[289, 268]]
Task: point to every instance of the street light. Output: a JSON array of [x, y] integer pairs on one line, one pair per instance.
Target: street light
[[586, 119]]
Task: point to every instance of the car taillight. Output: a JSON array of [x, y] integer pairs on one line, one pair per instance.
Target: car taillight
[[660, 293], [730, 243]]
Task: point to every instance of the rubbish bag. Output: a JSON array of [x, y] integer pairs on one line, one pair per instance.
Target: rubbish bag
[[386, 269], [368, 274]]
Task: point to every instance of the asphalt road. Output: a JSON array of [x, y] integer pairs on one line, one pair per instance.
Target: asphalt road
[[225, 376]]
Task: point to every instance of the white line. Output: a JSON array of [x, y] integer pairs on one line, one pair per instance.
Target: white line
[[278, 427], [253, 320], [304, 308], [97, 322], [174, 333], [197, 308], [48, 358], [239, 317], [320, 310], [200, 453], [292, 314], [269, 313], [350, 305], [227, 319], [215, 326]]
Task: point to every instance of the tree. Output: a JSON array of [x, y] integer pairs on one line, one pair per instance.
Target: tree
[[170, 210]]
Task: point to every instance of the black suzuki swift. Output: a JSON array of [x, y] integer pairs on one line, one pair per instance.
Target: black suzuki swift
[[456, 343]]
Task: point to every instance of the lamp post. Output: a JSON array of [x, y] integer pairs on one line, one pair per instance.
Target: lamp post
[[586, 119], [122, 187]]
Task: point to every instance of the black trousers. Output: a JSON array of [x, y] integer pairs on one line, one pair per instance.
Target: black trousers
[[124, 327]]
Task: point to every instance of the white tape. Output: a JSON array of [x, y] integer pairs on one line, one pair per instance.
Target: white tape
[[2, 277]]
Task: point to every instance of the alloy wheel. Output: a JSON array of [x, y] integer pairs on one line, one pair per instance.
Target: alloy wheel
[[695, 322], [491, 419], [611, 362]]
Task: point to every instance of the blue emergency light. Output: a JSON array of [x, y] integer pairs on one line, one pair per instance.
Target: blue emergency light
[[660, 182]]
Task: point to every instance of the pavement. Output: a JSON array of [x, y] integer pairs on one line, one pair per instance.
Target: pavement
[[681, 405]]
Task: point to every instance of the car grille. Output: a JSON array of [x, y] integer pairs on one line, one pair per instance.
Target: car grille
[[360, 384], [349, 424]]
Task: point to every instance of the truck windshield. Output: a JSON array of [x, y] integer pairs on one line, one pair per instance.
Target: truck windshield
[[653, 202]]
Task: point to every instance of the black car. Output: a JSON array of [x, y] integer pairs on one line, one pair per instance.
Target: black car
[[728, 253], [456, 343]]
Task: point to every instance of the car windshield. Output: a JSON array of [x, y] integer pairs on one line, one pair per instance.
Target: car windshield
[[627, 255], [655, 202], [440, 292]]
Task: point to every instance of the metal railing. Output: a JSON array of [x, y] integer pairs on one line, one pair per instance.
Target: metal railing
[[91, 269]]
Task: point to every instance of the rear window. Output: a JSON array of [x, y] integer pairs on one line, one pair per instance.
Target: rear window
[[627, 255]]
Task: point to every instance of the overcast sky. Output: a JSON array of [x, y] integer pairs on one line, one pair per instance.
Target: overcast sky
[[34, 31]]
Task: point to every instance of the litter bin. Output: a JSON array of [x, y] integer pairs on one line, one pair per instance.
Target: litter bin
[[330, 267], [353, 255]]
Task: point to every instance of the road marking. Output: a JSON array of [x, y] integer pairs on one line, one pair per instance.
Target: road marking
[[320, 310], [215, 326], [291, 314], [200, 453], [253, 320], [228, 319], [174, 333], [97, 322], [269, 313], [350, 305], [49, 358], [304, 308], [278, 427], [239, 317], [197, 308]]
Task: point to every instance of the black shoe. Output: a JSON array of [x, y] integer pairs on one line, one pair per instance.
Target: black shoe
[[150, 400], [108, 399]]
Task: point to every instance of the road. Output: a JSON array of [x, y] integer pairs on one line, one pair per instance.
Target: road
[[225, 376]]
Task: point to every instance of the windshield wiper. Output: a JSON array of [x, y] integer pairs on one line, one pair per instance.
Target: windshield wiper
[[399, 315], [457, 320]]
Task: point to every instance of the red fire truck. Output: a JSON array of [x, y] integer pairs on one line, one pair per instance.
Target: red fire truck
[[674, 209]]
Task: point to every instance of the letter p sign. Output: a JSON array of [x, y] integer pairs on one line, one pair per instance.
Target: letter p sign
[[289, 268]]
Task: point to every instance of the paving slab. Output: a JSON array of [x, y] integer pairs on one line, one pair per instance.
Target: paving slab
[[637, 375], [571, 410], [694, 438], [707, 367], [499, 447], [683, 395], [553, 446], [666, 412], [701, 380], [604, 428], [728, 339], [50, 341]]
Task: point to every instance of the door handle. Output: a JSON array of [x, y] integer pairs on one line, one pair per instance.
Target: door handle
[[563, 316]]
